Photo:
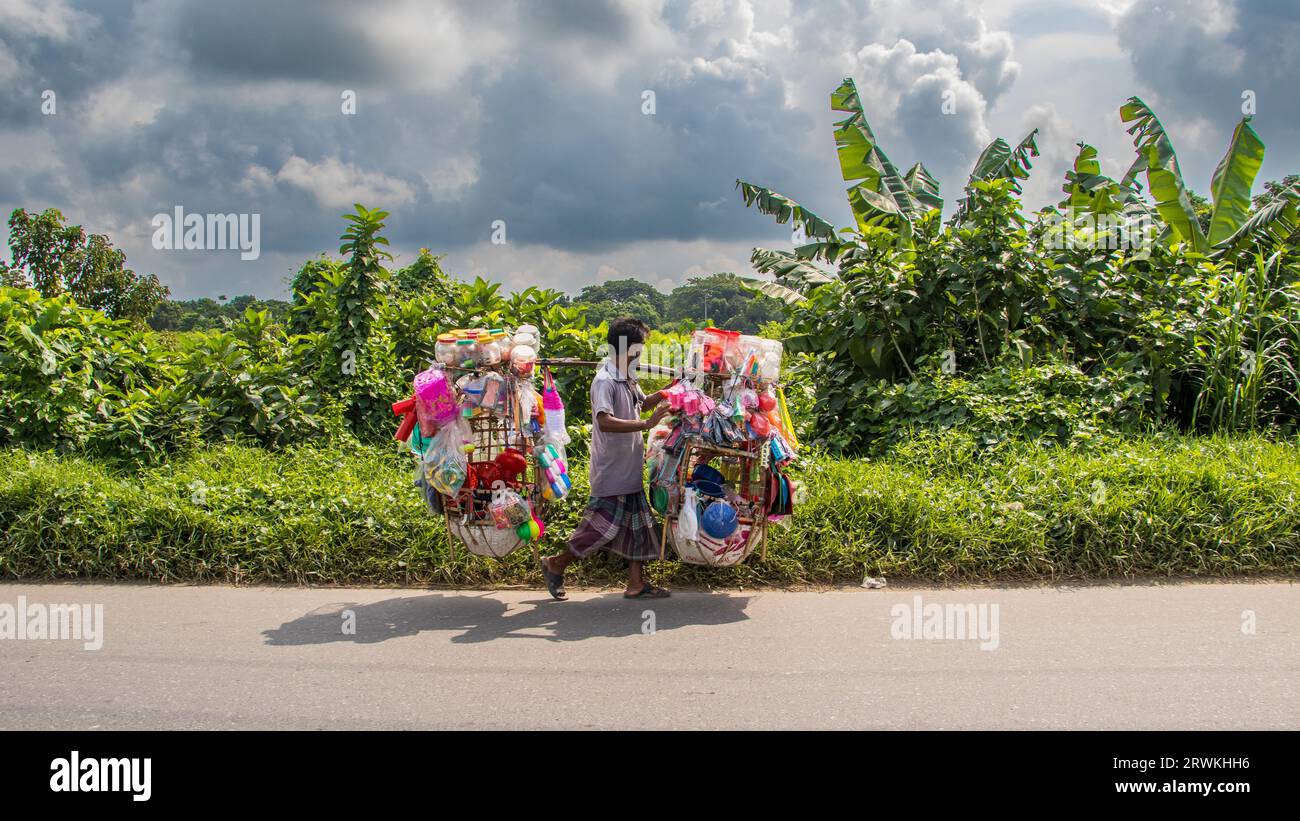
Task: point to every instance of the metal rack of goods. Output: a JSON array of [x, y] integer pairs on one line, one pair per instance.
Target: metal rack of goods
[[717, 471], [489, 444]]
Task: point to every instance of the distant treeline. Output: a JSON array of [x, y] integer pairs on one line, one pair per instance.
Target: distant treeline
[[717, 299]]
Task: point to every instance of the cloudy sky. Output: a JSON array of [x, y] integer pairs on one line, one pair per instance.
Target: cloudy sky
[[534, 114]]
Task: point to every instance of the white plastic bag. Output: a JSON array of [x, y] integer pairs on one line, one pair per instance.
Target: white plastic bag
[[688, 520]]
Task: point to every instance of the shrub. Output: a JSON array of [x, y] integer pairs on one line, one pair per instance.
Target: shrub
[[938, 507]]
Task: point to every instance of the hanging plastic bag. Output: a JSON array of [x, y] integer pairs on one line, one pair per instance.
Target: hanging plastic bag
[[431, 497], [553, 470], [527, 407], [446, 464], [508, 508], [688, 520], [493, 397], [553, 404]]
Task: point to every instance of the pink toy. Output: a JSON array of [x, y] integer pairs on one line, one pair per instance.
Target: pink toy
[[435, 400]]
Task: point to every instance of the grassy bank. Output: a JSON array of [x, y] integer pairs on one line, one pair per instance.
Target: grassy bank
[[935, 509]]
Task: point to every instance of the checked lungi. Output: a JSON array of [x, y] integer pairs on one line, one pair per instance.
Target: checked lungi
[[620, 524]]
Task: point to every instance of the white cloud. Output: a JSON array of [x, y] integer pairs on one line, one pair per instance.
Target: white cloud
[[922, 97], [48, 19], [256, 180], [10, 68], [336, 184], [131, 102], [451, 175], [530, 112], [1057, 145]]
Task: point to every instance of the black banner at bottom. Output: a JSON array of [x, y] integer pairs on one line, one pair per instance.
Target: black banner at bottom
[[135, 771]]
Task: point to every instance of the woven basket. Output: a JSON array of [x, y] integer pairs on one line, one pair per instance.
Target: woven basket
[[484, 539], [711, 552], [466, 513]]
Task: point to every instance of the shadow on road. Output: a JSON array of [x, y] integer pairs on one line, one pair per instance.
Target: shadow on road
[[479, 617]]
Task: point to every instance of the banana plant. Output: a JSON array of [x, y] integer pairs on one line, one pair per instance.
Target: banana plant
[[1232, 181], [998, 161], [1094, 200], [880, 196], [1273, 226], [824, 242], [924, 187], [1157, 158]]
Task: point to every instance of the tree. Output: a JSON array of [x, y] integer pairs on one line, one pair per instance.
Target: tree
[[623, 297], [424, 276], [1274, 189], [12, 277], [56, 258], [207, 314], [1203, 208], [722, 300], [365, 280]]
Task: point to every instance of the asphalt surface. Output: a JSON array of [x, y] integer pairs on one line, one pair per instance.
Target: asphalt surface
[[1168, 656]]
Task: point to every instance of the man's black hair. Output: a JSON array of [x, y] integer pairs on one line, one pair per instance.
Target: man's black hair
[[625, 332]]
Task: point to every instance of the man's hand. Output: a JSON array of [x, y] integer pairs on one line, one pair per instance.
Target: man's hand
[[657, 416]]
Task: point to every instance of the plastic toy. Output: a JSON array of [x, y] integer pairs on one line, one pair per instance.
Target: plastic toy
[[406, 410], [509, 509], [719, 520], [553, 405], [435, 400], [555, 471], [531, 530], [511, 464], [659, 499]]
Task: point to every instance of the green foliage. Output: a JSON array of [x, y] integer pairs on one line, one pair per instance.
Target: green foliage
[[424, 277], [1243, 352], [1055, 327], [999, 162], [879, 195], [938, 508], [1156, 157], [359, 295], [246, 385], [1051, 402], [623, 297], [56, 258], [66, 370], [206, 314], [723, 301]]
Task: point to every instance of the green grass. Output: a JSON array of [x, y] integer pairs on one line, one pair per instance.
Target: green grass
[[938, 508]]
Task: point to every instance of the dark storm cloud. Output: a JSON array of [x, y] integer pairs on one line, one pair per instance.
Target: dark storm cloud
[[602, 23], [610, 172], [525, 112], [286, 39], [69, 53], [1198, 59]]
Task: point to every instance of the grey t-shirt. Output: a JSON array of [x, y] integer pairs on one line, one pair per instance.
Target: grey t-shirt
[[617, 459]]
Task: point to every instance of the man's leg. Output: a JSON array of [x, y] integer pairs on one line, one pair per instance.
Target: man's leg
[[559, 561], [635, 581]]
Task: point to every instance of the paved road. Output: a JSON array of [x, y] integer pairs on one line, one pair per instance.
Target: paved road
[[1143, 656]]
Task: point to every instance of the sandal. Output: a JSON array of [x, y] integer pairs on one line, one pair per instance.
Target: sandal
[[554, 582], [648, 592]]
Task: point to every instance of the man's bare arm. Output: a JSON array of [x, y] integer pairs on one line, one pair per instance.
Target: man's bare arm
[[612, 424]]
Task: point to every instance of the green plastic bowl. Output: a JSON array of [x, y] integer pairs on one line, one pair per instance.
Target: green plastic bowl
[[659, 499]]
